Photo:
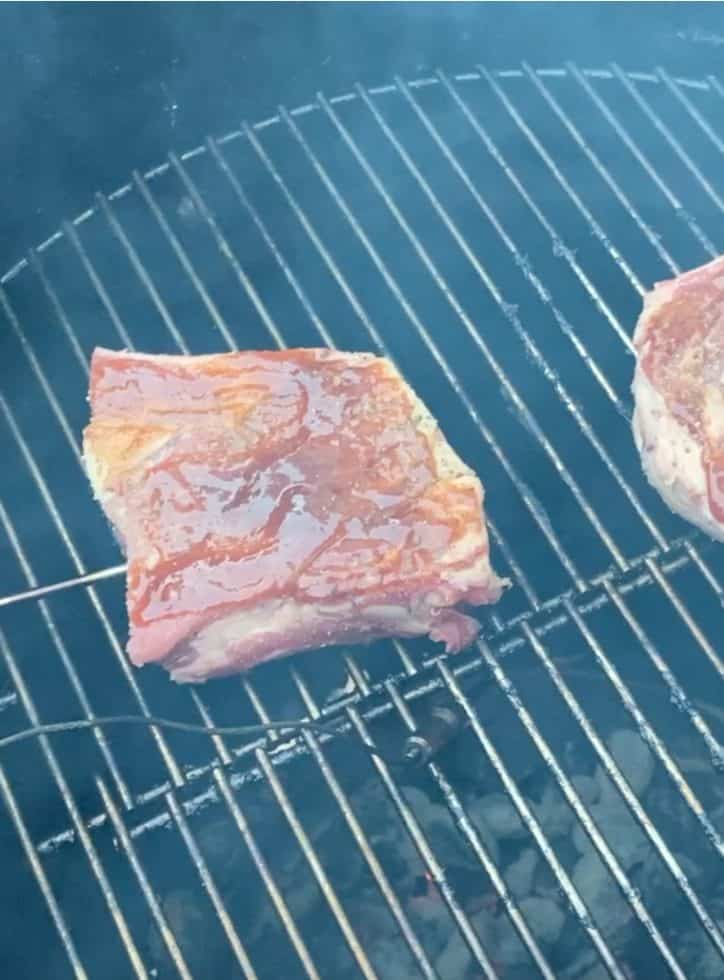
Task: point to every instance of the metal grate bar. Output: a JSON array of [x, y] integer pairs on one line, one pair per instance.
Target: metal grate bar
[[624, 789], [671, 595], [275, 895], [40, 877], [75, 816], [570, 258], [528, 498], [612, 185], [673, 598], [507, 643], [530, 345], [140, 269], [678, 696], [210, 888], [558, 245], [506, 309], [241, 275], [662, 128], [154, 906], [668, 677], [645, 728], [269, 241], [359, 835], [226, 251], [303, 840], [242, 826], [675, 88], [299, 213], [218, 241], [185, 262], [39, 480], [355, 827], [631, 145], [420, 841], [564, 881], [62, 652], [361, 313], [98, 607], [37, 370], [716, 85], [320, 875], [604, 851], [653, 240], [110, 309], [37, 266], [221, 749], [472, 836]]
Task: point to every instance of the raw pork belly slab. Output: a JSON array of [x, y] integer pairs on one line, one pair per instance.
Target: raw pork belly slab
[[274, 501], [679, 393]]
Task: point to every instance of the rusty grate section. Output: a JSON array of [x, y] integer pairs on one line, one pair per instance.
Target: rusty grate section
[[493, 233]]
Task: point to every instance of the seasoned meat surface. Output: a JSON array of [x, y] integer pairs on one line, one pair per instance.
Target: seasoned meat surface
[[274, 501], [679, 394]]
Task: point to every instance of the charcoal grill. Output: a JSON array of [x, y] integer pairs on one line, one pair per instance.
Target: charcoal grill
[[494, 233]]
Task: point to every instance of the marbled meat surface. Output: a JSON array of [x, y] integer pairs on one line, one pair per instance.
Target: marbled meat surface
[[270, 502], [679, 394]]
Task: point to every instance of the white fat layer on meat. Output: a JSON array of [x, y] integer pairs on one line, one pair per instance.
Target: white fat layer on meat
[[213, 648], [671, 457]]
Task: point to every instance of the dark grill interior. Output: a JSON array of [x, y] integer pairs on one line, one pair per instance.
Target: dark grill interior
[[493, 233]]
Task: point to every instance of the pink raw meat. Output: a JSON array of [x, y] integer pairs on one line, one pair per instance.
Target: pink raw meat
[[270, 502], [679, 394]]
